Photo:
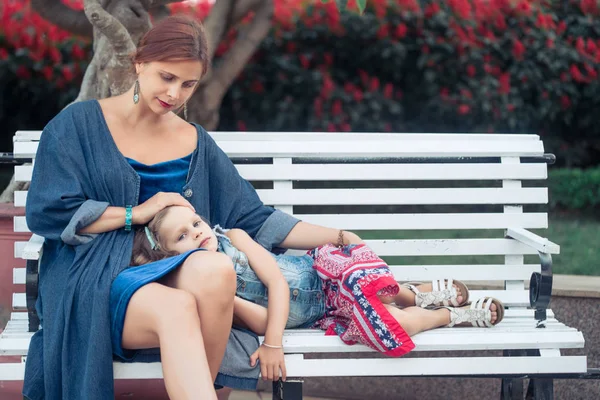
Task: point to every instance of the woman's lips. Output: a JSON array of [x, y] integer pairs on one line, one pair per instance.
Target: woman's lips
[[165, 105]]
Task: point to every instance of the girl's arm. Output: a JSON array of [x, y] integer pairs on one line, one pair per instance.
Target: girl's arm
[[267, 270], [305, 236]]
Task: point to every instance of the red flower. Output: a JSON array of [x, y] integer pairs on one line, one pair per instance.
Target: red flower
[[565, 101], [591, 71], [358, 95], [464, 109], [518, 49], [444, 93], [3, 54], [510, 107], [431, 10], [241, 125], [401, 30], [55, 55], [549, 43], [383, 31], [576, 74], [291, 47], [388, 90], [331, 127], [257, 86], [77, 52], [500, 22], [23, 72], [304, 61], [545, 94], [345, 127], [471, 70], [47, 72], [580, 45], [466, 93], [374, 84], [337, 108], [387, 127], [328, 58], [425, 49], [504, 82], [561, 28], [524, 7], [67, 73], [364, 77], [591, 46]]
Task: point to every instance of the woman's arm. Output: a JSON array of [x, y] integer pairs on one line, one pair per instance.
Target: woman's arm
[[267, 270], [114, 217], [305, 236]]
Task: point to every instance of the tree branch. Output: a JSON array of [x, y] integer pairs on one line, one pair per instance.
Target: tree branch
[[216, 24], [110, 27], [63, 16], [243, 48]]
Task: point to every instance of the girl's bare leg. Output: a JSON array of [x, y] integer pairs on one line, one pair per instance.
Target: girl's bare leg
[[210, 278], [250, 315], [406, 297], [159, 316], [416, 319]]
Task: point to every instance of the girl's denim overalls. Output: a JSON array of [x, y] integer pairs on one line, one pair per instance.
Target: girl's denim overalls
[[307, 302]]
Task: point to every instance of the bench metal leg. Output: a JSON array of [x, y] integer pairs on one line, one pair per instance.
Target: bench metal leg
[[540, 389], [512, 388], [288, 390]]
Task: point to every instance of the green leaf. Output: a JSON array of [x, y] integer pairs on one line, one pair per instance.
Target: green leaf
[[342, 4], [361, 5]]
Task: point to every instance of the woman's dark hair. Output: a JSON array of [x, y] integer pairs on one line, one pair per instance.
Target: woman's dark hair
[[174, 38], [142, 251]]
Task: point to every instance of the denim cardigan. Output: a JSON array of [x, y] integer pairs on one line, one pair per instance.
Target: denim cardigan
[[78, 173]]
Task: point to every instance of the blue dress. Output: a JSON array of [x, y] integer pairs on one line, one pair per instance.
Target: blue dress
[[168, 176]]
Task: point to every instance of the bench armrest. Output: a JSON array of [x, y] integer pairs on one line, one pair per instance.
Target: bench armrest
[[33, 248], [540, 284], [530, 239]]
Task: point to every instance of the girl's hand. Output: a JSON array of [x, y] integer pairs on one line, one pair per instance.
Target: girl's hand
[[143, 213], [271, 361]]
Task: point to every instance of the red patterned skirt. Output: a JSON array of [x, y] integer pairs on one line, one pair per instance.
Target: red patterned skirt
[[352, 278]]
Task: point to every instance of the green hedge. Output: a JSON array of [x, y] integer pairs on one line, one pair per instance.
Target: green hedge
[[575, 189]]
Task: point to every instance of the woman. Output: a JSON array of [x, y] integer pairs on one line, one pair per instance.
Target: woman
[[103, 166]]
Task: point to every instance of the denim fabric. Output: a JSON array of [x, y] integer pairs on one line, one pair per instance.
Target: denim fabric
[[307, 303], [77, 161]]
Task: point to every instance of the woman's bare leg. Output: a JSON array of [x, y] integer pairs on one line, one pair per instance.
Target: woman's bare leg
[[159, 316], [210, 278], [223, 394], [251, 315]]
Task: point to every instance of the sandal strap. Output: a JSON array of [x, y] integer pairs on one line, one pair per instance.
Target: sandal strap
[[443, 292], [478, 314]]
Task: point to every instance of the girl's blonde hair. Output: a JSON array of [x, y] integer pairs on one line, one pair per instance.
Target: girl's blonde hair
[[142, 250]]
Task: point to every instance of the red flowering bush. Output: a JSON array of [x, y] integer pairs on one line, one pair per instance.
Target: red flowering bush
[[526, 66]]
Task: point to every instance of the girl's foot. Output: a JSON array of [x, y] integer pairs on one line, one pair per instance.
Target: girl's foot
[[438, 293], [485, 312]]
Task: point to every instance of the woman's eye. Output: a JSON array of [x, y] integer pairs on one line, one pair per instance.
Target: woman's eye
[[167, 78], [188, 85]]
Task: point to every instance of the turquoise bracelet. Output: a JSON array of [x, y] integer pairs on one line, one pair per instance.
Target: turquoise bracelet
[[128, 216]]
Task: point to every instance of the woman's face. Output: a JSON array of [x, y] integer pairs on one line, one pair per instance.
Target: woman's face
[[182, 230], [166, 85]]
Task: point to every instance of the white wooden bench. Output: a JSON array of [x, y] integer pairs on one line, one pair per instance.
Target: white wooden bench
[[388, 183]]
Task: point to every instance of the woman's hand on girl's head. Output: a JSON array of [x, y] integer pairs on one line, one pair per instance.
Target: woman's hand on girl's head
[[143, 213], [271, 362]]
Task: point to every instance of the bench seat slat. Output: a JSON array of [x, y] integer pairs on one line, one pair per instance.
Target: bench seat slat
[[492, 272], [420, 196]]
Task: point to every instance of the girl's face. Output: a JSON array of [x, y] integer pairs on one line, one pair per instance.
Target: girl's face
[[166, 85], [182, 230]]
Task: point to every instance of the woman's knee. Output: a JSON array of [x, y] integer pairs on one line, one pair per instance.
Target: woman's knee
[[177, 306]]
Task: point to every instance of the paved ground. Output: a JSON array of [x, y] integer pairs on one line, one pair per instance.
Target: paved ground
[[147, 390]]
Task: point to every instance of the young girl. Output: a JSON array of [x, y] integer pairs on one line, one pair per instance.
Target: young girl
[[275, 292]]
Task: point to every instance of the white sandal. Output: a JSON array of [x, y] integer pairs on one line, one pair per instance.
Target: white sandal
[[443, 293], [478, 314]]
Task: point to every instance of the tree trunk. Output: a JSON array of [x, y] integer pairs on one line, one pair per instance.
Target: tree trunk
[[117, 26]]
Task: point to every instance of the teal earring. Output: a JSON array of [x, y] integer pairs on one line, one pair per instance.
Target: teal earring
[[136, 92]]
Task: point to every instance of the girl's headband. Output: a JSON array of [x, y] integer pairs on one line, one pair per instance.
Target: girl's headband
[[150, 237]]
